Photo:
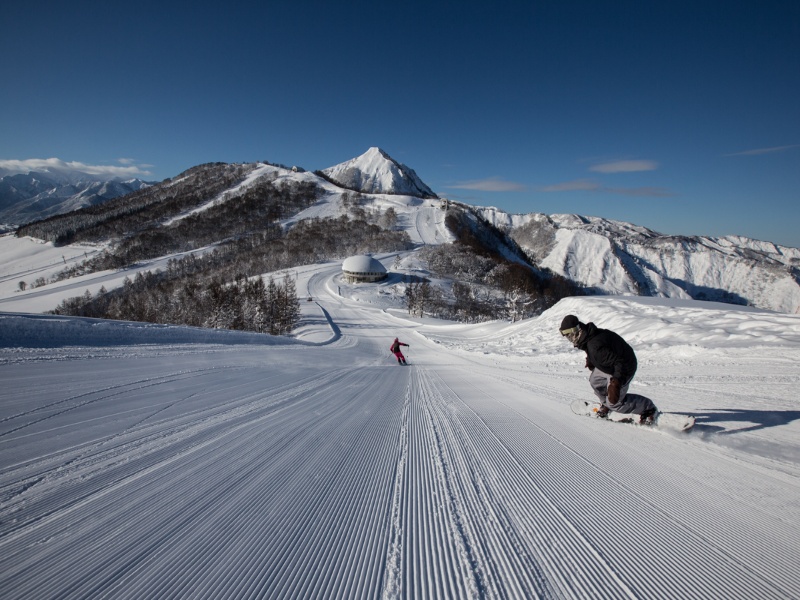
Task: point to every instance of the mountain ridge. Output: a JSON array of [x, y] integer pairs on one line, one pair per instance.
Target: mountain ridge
[[615, 257], [602, 256]]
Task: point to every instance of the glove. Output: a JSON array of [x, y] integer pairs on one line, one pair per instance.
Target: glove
[[613, 390], [589, 364]]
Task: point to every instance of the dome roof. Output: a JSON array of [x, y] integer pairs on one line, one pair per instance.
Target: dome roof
[[362, 264]]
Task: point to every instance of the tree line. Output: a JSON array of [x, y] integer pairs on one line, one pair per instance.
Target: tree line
[[245, 304]]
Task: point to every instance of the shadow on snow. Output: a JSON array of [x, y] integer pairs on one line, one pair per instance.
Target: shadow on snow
[[758, 419]]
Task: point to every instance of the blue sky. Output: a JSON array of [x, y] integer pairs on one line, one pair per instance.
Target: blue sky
[[679, 116]]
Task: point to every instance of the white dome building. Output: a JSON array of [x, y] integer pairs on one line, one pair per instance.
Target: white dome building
[[363, 269]]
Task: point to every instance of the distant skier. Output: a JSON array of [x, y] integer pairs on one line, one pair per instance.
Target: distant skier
[[613, 364], [395, 348]]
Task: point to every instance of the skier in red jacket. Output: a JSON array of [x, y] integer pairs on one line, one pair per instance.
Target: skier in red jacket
[[395, 348]]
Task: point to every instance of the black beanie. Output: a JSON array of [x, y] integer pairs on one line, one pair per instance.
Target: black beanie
[[569, 322]]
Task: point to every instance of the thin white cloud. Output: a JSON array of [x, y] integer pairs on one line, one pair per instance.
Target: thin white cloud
[[128, 168], [492, 184], [587, 185], [625, 166], [760, 151], [580, 185], [646, 192]]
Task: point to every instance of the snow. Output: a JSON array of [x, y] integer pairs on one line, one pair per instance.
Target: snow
[[144, 461], [376, 172], [28, 259], [25, 259]]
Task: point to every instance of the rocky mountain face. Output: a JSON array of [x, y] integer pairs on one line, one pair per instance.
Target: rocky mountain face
[[613, 257]]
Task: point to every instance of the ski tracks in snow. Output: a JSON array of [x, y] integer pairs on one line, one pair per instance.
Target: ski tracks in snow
[[655, 527], [464, 531], [498, 504], [365, 481]]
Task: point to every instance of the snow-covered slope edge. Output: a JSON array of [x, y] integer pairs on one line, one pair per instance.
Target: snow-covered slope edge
[[656, 327], [19, 330]]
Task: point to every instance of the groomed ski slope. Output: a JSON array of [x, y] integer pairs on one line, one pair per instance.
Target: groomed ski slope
[[249, 467]]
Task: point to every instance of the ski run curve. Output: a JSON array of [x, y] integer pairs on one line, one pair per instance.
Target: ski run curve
[[325, 470]]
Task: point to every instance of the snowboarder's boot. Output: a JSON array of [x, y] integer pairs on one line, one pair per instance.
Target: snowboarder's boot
[[648, 417], [602, 412]]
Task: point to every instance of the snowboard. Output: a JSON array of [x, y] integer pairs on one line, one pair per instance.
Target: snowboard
[[663, 421]]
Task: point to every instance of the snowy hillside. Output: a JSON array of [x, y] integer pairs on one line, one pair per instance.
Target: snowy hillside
[[613, 257], [375, 172], [145, 461]]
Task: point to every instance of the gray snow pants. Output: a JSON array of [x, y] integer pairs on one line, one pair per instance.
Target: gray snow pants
[[628, 404]]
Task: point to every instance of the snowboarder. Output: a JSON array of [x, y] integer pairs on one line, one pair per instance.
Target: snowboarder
[[395, 348], [613, 364]]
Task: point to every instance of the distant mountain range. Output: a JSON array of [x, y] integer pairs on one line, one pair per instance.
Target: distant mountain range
[[601, 256], [26, 197], [613, 257]]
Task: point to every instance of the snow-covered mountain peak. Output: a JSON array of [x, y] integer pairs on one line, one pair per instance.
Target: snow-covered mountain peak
[[375, 172]]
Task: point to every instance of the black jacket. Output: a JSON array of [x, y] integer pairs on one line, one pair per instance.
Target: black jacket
[[608, 352]]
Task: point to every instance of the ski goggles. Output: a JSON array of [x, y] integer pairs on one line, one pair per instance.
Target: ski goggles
[[571, 331]]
